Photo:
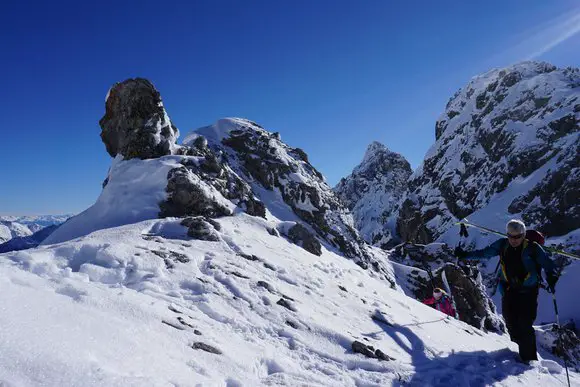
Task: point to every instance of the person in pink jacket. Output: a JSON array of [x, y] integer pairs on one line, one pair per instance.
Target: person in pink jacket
[[441, 302]]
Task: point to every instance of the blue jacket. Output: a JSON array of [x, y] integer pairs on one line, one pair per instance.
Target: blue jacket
[[533, 255]]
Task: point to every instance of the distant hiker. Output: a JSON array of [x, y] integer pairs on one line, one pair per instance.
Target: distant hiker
[[521, 261], [441, 302]]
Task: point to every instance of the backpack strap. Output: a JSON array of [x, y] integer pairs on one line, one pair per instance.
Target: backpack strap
[[501, 260]]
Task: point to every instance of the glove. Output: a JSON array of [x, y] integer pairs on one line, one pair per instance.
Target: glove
[[551, 279], [459, 252]]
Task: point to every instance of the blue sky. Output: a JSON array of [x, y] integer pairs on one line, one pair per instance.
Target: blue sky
[[329, 76]]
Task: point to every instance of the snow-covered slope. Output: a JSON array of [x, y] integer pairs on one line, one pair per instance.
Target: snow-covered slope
[[145, 305], [508, 145], [133, 192], [373, 191]]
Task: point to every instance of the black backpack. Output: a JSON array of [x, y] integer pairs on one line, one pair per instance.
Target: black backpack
[[532, 236]]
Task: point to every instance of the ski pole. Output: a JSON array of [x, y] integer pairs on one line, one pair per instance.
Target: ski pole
[[561, 342]]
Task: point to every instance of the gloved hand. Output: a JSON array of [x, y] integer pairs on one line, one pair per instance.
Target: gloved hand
[[459, 252], [551, 279]]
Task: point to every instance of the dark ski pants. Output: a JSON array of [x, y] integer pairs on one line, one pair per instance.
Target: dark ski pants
[[519, 311]]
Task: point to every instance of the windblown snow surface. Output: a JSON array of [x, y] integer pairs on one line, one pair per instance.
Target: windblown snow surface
[[128, 305]]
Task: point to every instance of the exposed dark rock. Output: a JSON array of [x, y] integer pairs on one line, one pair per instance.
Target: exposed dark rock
[[286, 304], [183, 322], [206, 347], [301, 154], [249, 257], [369, 351], [553, 203], [303, 238], [561, 341], [135, 123], [172, 308], [170, 257], [383, 356], [194, 187], [187, 197], [200, 228], [238, 274], [266, 286], [268, 266], [363, 349], [255, 208]]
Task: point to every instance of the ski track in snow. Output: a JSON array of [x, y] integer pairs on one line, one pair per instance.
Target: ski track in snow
[[108, 309]]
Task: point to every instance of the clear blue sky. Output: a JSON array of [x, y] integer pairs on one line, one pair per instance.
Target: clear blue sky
[[330, 76]]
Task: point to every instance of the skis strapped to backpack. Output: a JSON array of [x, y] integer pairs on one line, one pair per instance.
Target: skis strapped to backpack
[[448, 290]]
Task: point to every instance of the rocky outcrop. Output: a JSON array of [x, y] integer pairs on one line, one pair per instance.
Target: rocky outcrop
[[303, 238], [202, 228], [561, 341], [281, 175], [135, 123], [505, 127], [474, 306], [369, 351], [204, 177], [372, 192]]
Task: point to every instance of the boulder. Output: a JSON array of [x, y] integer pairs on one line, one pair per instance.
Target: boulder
[[135, 123]]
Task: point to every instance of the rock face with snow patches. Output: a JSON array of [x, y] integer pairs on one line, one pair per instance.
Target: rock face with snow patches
[[135, 123], [292, 189], [474, 306], [373, 191], [232, 166], [510, 139]]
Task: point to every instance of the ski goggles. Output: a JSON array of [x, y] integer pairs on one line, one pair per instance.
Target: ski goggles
[[515, 236]]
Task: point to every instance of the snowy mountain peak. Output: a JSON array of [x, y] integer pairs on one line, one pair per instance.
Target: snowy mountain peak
[[372, 192], [220, 130], [378, 156], [373, 148], [507, 143], [375, 152]]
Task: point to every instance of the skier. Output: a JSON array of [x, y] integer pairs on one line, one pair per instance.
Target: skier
[[521, 261], [441, 302]]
